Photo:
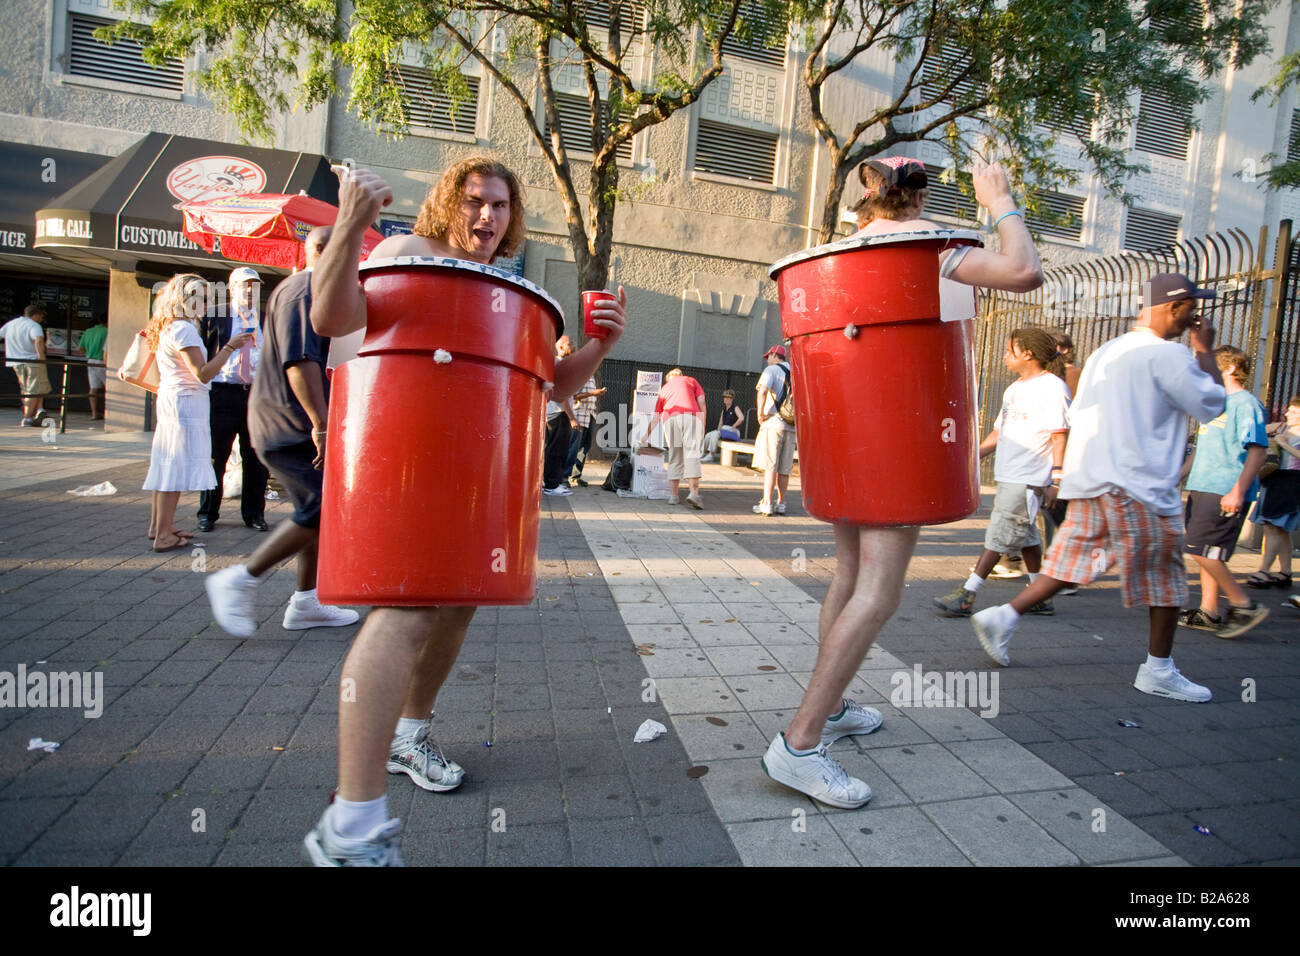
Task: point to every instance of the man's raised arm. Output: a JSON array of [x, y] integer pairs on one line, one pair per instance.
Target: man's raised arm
[[337, 305]]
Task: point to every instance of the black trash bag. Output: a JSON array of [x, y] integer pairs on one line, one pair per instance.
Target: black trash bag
[[620, 474]]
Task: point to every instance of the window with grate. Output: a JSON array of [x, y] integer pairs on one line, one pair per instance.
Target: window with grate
[[1061, 215], [1162, 127], [737, 151], [430, 105], [575, 126], [1293, 144], [770, 52], [599, 13], [940, 68], [946, 198], [1057, 122], [122, 62], [1146, 230]]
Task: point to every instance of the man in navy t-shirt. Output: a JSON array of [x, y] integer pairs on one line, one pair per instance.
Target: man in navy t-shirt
[[287, 412]]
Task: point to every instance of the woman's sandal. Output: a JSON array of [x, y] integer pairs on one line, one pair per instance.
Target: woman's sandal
[[1260, 580]]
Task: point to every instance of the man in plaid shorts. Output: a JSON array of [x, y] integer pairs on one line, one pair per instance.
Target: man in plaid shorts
[[1128, 434]]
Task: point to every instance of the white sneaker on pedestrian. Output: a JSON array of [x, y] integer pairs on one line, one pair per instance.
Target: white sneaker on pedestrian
[[762, 508], [817, 774], [379, 847], [230, 592], [780, 508], [559, 491], [852, 720], [695, 502], [994, 632], [304, 613], [1171, 684], [417, 756]]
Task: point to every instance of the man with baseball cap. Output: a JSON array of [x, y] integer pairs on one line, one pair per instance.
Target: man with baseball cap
[[774, 448], [229, 404], [1128, 435]]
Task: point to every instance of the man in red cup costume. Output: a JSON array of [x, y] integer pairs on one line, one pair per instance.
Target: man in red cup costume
[[474, 212]]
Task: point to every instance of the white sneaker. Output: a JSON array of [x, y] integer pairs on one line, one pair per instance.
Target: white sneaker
[[417, 756], [994, 632], [763, 509], [780, 508], [559, 491], [854, 719], [230, 592], [379, 847], [1171, 684], [302, 614], [817, 774], [695, 502]]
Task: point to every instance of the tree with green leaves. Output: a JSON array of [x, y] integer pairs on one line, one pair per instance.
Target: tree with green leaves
[[1008, 79], [1287, 173], [262, 59]]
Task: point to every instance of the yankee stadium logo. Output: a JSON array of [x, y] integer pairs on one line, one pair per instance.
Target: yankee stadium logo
[[210, 177]]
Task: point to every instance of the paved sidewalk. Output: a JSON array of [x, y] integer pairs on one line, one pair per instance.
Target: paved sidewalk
[[213, 750]]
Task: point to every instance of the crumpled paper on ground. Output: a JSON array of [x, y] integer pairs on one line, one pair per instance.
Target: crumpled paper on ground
[[648, 731], [94, 491], [36, 743]]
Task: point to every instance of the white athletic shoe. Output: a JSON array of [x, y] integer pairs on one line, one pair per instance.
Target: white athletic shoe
[[559, 491], [779, 507], [379, 847], [854, 719], [817, 774], [994, 632], [230, 592], [302, 614], [417, 756], [1172, 684]]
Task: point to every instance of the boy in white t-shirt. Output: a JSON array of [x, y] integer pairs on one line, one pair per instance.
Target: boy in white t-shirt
[[1029, 438]]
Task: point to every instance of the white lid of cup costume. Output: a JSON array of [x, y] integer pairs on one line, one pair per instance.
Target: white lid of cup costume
[[879, 239], [446, 262]]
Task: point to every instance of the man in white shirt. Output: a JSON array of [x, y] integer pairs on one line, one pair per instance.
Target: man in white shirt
[[24, 339], [1128, 436]]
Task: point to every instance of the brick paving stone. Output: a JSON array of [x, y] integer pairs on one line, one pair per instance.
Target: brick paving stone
[[622, 842], [542, 845], [895, 836]]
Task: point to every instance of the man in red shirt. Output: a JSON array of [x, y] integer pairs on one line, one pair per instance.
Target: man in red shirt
[[680, 407]]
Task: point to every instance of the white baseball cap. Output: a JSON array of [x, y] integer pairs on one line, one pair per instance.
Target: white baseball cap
[[244, 274]]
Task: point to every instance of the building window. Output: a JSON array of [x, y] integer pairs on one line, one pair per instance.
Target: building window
[[940, 68], [726, 150], [575, 126], [122, 62], [1293, 144], [1147, 230], [431, 105], [946, 198], [1162, 127], [1061, 216], [769, 53]]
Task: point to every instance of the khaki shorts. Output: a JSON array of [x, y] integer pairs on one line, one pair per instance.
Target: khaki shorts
[[32, 380], [1011, 526], [774, 448], [683, 434], [96, 374]]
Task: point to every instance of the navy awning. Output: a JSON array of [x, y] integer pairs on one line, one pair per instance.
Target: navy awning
[[32, 177]]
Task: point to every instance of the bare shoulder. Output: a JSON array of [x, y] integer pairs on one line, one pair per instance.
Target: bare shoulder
[[407, 245]]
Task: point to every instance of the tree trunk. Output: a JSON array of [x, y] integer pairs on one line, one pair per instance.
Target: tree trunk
[[831, 207]]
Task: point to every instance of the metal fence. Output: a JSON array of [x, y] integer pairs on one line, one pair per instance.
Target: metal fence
[[1096, 300]]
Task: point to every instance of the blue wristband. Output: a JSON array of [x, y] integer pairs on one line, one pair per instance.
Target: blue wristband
[[1014, 212]]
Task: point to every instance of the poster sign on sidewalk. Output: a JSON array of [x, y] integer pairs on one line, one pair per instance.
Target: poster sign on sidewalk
[[649, 477]]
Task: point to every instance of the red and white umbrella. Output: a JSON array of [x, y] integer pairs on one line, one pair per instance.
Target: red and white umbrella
[[265, 228]]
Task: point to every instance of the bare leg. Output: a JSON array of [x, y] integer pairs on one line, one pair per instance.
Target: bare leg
[[96, 404], [985, 563], [1215, 576], [1164, 620], [1277, 544], [1042, 589], [673, 485], [884, 554], [769, 483], [1033, 558], [782, 485], [436, 660], [376, 670], [165, 535], [153, 515], [694, 485], [308, 558], [286, 540]]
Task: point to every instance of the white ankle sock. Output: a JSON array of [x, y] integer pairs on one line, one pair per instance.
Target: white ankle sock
[[1161, 665], [973, 582], [353, 821], [1010, 615], [305, 597], [1032, 576], [407, 725], [243, 572]]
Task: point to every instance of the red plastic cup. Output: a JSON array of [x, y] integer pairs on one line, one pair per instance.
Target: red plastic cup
[[591, 300]]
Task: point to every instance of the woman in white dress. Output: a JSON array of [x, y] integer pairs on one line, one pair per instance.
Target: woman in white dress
[[181, 459]]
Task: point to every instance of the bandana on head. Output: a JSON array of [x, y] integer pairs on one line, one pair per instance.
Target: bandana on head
[[897, 171]]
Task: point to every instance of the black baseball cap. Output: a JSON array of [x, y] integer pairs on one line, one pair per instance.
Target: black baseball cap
[[1171, 287]]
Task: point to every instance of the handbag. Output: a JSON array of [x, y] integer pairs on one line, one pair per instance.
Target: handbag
[[139, 368]]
